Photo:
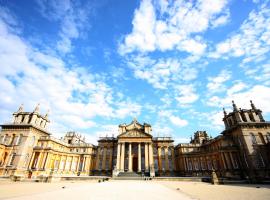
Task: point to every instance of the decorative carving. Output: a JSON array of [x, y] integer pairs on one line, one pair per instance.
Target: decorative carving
[[134, 133]]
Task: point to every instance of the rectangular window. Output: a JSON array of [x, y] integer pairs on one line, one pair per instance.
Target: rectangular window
[[12, 159]]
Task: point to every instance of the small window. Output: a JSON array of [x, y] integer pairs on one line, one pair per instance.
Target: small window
[[69, 141], [253, 138]]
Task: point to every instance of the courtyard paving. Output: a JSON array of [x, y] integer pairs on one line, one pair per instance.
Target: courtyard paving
[[130, 190]]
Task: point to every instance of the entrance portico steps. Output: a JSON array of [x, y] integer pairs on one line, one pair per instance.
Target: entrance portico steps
[[128, 176]]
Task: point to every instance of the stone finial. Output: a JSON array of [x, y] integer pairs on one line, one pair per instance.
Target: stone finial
[[37, 108], [234, 106], [225, 113], [47, 114], [252, 105], [20, 108]]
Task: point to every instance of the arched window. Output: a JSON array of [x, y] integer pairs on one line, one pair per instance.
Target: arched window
[[108, 152], [155, 151], [253, 138], [163, 151], [169, 152]]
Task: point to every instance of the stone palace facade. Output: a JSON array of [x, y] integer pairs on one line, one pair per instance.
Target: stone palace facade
[[241, 151]]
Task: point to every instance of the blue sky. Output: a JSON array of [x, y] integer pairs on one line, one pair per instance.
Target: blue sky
[[97, 64]]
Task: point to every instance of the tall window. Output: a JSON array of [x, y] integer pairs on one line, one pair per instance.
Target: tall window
[[155, 151], [261, 137], [268, 137], [107, 164], [253, 138], [156, 164], [19, 139], [11, 162], [169, 152], [163, 164], [162, 151], [170, 164]]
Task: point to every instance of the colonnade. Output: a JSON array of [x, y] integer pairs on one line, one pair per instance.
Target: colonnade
[[148, 156]]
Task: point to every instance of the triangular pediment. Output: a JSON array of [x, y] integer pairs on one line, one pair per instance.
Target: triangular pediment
[[134, 133]]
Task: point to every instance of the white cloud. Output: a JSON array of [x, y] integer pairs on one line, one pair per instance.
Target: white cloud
[[237, 87], [221, 20], [186, 94], [258, 93], [251, 41], [178, 121], [73, 19], [168, 114], [157, 73], [169, 24], [74, 96], [216, 84], [127, 108]]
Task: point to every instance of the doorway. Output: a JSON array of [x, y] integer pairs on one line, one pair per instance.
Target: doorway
[[135, 164]]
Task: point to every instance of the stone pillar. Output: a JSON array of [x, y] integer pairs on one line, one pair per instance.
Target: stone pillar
[[139, 158], [173, 159], [232, 160], [37, 163], [166, 159], [97, 158], [45, 161], [146, 157], [151, 160], [123, 157], [104, 158], [111, 159], [228, 161], [71, 163], [130, 158], [118, 167], [159, 159]]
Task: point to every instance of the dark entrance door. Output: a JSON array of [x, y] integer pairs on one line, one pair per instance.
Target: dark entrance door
[[135, 164]]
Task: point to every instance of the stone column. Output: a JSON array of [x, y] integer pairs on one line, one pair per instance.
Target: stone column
[[45, 161], [123, 157], [173, 159], [139, 158], [146, 157], [130, 158], [104, 159], [227, 159], [223, 161], [166, 159], [118, 157], [151, 160], [231, 159], [97, 158], [111, 159], [71, 163], [159, 159], [38, 161]]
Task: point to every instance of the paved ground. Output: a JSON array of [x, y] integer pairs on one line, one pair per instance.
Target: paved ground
[[131, 190], [113, 190]]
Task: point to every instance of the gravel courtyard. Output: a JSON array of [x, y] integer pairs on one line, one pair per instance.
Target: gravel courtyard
[[131, 190]]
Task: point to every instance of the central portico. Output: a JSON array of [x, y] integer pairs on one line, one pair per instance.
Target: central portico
[[135, 148]]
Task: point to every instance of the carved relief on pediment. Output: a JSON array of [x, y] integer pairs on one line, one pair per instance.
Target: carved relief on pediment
[[134, 133]]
